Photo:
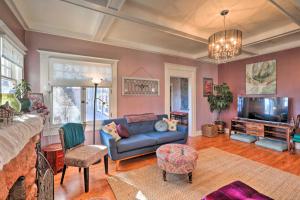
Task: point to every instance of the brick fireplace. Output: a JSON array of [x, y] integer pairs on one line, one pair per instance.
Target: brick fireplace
[[22, 165]]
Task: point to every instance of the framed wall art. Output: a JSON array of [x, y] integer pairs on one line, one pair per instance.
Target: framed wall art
[[134, 86], [261, 77], [208, 86]]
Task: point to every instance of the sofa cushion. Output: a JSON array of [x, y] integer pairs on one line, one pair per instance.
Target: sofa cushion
[[122, 131], [141, 127], [135, 142], [167, 136], [112, 130], [236, 191], [161, 126]]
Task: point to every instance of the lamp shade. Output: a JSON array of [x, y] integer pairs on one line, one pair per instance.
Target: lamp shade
[[225, 44]]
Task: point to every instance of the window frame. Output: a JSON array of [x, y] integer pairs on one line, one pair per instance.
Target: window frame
[[82, 105], [46, 87]]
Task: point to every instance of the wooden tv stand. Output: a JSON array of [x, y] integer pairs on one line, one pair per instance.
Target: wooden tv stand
[[271, 130]]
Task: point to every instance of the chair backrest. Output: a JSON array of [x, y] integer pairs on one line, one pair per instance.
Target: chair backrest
[[297, 123], [71, 135]]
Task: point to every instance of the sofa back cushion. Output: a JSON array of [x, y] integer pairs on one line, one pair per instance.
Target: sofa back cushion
[[117, 121], [138, 127], [144, 127]]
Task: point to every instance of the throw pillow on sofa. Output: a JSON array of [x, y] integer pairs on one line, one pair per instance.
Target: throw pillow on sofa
[[161, 126], [112, 130], [122, 131], [172, 124]]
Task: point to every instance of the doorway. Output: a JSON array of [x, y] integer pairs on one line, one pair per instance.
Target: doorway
[[180, 93], [179, 99]]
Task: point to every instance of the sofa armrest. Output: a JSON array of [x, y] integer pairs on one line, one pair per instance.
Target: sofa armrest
[[109, 141], [183, 129]]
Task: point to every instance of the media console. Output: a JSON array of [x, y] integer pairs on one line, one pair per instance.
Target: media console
[[264, 129]]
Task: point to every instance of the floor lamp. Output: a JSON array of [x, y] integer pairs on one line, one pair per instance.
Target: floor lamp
[[96, 82]]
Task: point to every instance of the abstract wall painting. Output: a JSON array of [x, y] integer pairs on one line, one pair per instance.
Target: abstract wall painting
[[261, 77]]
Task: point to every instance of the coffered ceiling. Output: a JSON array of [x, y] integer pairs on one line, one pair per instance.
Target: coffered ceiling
[[174, 27]]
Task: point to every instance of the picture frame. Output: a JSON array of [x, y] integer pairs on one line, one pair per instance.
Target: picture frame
[[208, 86], [135, 86], [261, 78]]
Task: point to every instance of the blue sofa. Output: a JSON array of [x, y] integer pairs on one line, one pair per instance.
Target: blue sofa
[[143, 138]]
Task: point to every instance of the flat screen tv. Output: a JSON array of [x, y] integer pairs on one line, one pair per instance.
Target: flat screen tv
[[274, 109]]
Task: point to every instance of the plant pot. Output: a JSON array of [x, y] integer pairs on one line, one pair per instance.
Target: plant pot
[[25, 104], [221, 126]]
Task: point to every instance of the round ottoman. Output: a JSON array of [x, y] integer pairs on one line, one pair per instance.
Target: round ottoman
[[177, 159]]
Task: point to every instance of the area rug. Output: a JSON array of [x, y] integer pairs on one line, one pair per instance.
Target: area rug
[[215, 168]]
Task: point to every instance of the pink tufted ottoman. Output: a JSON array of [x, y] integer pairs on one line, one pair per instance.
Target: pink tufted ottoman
[[177, 159]]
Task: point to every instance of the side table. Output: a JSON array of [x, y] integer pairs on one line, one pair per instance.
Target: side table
[[55, 156]]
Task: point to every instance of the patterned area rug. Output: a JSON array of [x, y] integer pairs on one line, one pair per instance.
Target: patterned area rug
[[215, 168]]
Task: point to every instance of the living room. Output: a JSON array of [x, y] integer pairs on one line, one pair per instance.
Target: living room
[[127, 99]]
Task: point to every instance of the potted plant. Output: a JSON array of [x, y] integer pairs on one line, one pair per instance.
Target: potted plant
[[21, 92], [219, 101]]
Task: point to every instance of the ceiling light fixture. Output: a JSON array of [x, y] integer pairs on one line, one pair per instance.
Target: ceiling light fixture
[[225, 44]]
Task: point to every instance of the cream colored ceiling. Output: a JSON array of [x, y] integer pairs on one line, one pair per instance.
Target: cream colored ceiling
[[175, 27]]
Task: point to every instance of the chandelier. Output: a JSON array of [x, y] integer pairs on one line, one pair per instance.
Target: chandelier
[[225, 44]]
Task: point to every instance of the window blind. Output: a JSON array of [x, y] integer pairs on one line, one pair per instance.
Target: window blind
[[12, 62], [64, 72]]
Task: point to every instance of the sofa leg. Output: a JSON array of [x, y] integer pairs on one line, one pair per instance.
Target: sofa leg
[[117, 164]]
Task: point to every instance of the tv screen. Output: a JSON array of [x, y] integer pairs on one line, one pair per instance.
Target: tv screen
[[274, 109]]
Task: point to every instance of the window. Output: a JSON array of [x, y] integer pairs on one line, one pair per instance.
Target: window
[[66, 105], [12, 62], [73, 92]]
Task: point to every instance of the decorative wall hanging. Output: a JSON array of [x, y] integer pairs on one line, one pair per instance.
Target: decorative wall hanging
[[261, 77], [140, 86], [208, 85]]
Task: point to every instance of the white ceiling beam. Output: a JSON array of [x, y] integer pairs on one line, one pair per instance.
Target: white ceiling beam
[[288, 8], [12, 6], [108, 20], [137, 20], [272, 34]]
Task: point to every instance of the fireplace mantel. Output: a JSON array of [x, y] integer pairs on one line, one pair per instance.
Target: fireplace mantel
[[17, 153]]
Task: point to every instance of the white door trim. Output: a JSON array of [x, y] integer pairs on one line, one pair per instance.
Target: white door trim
[[182, 71]]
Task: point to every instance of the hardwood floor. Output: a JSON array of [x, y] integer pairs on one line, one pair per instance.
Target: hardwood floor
[[73, 187]]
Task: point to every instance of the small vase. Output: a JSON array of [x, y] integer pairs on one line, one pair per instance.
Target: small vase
[[12, 100], [25, 104]]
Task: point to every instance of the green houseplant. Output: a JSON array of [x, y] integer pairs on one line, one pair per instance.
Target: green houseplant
[[22, 92], [219, 101]]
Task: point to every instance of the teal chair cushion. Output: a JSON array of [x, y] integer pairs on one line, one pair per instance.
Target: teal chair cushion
[[272, 144], [243, 138], [73, 135]]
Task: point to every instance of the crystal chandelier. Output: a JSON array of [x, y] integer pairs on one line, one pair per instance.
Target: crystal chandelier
[[225, 44]]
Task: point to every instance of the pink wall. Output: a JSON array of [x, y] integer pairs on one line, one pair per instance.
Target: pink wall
[[130, 62], [204, 116], [11, 21], [288, 78]]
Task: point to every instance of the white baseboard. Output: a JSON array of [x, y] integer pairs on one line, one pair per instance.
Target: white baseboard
[[197, 133], [226, 130]]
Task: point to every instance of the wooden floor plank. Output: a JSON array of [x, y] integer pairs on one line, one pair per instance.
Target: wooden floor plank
[[73, 187]]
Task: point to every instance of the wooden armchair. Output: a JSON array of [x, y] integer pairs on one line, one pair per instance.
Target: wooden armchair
[[79, 155]]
